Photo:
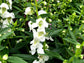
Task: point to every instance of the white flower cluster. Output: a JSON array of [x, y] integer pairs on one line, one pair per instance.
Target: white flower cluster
[[5, 14], [39, 35]]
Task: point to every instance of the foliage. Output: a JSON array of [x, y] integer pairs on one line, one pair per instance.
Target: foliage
[[66, 27]]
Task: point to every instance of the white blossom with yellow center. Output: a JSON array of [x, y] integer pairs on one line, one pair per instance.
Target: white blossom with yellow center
[[4, 7], [41, 34], [28, 11], [36, 44], [41, 23], [8, 15], [42, 59]]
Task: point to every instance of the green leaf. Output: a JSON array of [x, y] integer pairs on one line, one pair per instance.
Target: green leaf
[[17, 8], [55, 32], [17, 1], [70, 40], [13, 59], [25, 56], [4, 36], [1, 48], [54, 54], [4, 30], [72, 35]]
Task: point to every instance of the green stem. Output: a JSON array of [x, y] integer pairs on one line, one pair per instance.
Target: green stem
[[36, 7], [47, 5], [79, 18], [9, 44], [25, 21], [31, 1]]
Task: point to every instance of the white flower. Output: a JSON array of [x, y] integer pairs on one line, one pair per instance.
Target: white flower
[[35, 61], [42, 23], [41, 34], [42, 12], [4, 7], [36, 44], [8, 15], [40, 49], [5, 24], [28, 11], [33, 49], [32, 25], [43, 58], [10, 3]]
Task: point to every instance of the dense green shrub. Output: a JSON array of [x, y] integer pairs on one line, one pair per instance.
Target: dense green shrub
[[65, 20]]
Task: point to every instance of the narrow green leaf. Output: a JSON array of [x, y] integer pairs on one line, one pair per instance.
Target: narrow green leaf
[[5, 35], [70, 40], [25, 56], [54, 54], [54, 32], [13, 59], [72, 35], [17, 8], [1, 48]]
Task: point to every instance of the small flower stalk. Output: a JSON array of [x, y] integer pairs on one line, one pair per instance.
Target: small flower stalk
[[39, 36]]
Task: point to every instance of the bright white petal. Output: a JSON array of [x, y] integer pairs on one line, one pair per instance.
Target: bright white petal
[[51, 38], [28, 11], [33, 49], [5, 24], [32, 25], [4, 5], [40, 49], [42, 12], [46, 58], [10, 2], [35, 61], [42, 23], [8, 15]]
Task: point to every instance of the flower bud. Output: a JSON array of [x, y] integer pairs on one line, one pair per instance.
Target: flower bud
[[5, 57]]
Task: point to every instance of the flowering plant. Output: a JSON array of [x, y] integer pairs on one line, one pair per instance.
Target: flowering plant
[[41, 31]]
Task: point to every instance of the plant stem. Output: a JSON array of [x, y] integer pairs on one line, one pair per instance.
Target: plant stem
[[36, 7], [47, 5], [25, 21], [9, 44]]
